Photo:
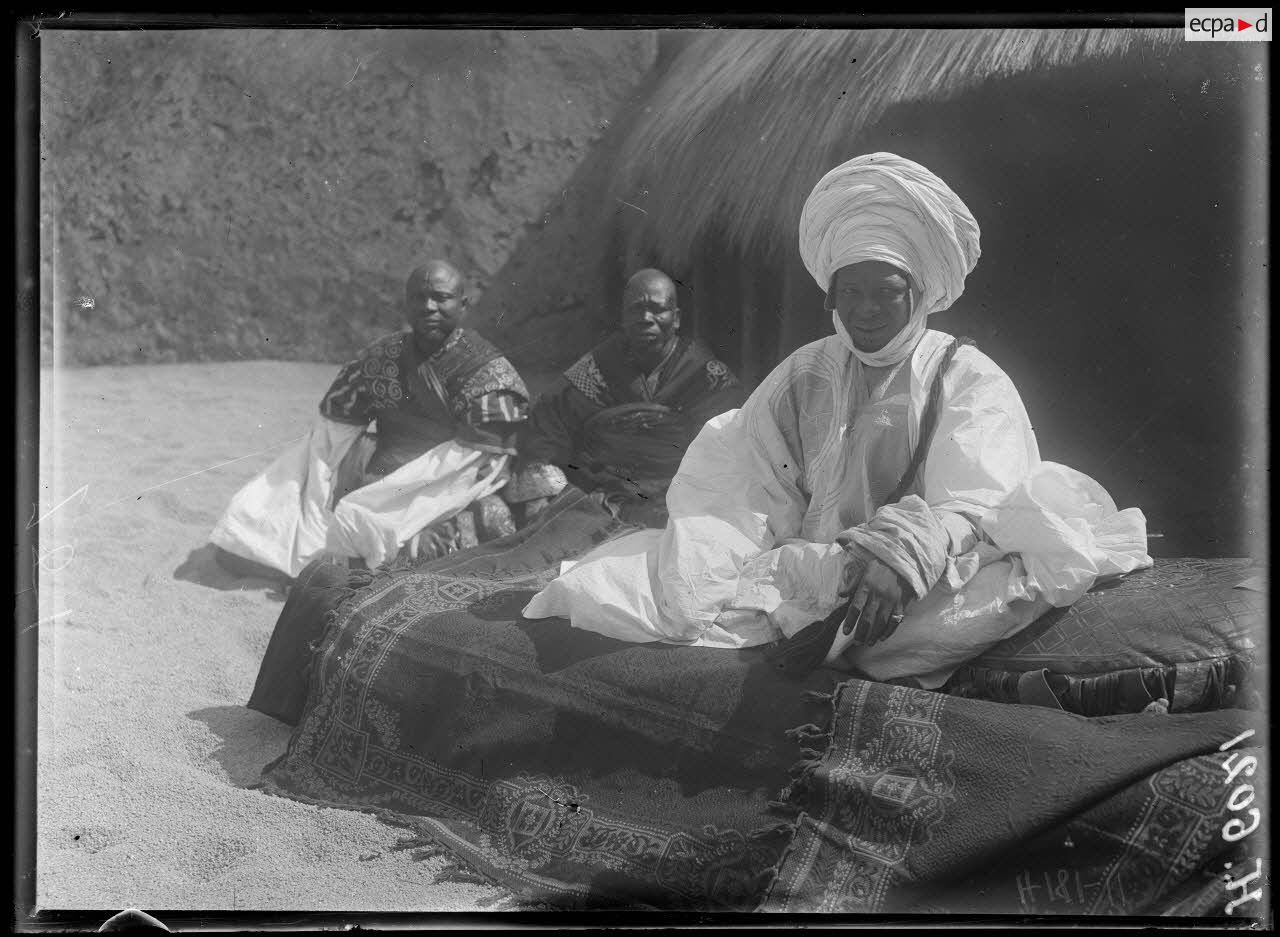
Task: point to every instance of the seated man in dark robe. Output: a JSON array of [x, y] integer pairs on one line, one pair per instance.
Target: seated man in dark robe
[[446, 404], [619, 420]]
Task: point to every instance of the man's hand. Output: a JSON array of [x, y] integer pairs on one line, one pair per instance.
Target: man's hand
[[642, 419], [875, 611]]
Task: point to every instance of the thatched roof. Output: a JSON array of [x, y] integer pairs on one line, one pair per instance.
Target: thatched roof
[[745, 123]]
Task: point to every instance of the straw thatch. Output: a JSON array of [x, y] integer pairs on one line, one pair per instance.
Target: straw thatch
[[744, 125]]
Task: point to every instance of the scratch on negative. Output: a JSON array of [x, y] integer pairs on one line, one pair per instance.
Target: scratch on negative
[[1131, 437], [41, 621], [139, 494], [636, 207], [360, 63]]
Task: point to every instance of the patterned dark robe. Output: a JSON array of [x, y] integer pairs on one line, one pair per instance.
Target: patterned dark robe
[[465, 391], [586, 424]]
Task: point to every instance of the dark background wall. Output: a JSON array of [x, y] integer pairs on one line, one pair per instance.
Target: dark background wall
[[262, 193]]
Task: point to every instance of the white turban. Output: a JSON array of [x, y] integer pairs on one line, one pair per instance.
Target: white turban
[[886, 208]]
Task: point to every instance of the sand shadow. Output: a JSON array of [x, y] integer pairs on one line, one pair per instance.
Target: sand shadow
[[216, 569], [249, 739]]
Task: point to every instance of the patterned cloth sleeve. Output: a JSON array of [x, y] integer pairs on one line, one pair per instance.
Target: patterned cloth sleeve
[[723, 392], [491, 407], [345, 402], [369, 383], [585, 376]]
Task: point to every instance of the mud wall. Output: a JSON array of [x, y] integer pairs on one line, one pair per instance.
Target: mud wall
[[217, 195]]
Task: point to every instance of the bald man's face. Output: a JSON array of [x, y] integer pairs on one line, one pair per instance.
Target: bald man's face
[[434, 304], [650, 316]]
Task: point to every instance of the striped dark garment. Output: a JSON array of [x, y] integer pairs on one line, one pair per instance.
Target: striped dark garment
[[465, 391]]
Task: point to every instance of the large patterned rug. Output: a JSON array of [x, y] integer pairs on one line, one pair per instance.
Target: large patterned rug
[[583, 771], [923, 802]]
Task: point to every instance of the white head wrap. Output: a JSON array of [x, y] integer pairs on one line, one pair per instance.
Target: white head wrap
[[883, 207]]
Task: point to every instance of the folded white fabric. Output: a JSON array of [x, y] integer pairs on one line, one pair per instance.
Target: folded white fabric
[[281, 517], [371, 522]]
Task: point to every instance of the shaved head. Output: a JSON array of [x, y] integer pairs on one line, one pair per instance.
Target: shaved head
[[647, 280], [439, 271], [435, 301]]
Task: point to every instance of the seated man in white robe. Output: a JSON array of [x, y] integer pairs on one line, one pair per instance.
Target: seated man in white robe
[[446, 405], [884, 478]]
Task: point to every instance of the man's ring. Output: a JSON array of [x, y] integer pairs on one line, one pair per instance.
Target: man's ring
[[897, 619]]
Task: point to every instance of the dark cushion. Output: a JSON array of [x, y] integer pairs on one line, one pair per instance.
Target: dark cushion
[[1189, 631], [281, 687]]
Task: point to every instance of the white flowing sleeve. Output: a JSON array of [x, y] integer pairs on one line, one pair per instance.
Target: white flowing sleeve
[[372, 521], [983, 466], [983, 446], [737, 495], [280, 518], [984, 463], [982, 449]]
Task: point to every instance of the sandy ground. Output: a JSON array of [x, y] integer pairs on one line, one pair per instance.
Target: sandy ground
[[149, 650]]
